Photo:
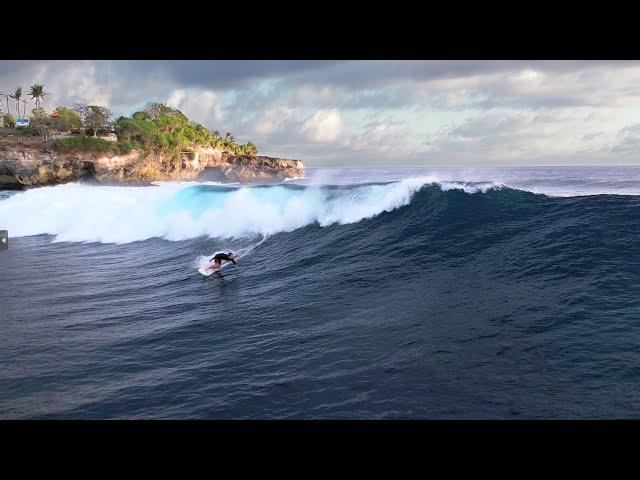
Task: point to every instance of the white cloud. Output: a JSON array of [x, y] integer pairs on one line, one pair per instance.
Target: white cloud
[[202, 106], [317, 95], [272, 119], [524, 134], [628, 140], [325, 125], [385, 136]]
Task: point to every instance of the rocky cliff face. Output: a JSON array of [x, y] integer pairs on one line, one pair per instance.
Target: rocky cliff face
[[28, 163], [249, 168]]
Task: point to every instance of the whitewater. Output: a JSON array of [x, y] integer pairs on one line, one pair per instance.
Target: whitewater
[[80, 213]]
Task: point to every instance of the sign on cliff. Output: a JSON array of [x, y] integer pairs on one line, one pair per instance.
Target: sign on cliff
[[22, 122]]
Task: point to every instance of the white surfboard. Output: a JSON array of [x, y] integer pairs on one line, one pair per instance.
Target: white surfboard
[[205, 272]]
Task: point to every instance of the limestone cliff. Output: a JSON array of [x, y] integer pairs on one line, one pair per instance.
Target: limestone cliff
[[248, 168], [28, 163]]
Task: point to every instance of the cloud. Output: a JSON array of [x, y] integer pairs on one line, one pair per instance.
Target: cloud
[[272, 120], [380, 137], [519, 135], [374, 112], [323, 126], [628, 140], [200, 106]]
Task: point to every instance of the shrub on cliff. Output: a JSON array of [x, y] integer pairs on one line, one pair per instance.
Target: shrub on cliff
[[9, 121], [124, 147], [41, 123], [84, 144], [249, 148]]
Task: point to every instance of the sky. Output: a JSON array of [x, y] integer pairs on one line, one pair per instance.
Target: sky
[[376, 113]]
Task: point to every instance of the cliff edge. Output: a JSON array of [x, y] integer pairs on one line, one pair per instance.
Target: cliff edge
[[26, 162]]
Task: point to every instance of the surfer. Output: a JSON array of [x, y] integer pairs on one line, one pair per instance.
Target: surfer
[[218, 257]]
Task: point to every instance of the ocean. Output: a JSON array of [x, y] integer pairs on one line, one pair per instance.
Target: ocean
[[412, 293]]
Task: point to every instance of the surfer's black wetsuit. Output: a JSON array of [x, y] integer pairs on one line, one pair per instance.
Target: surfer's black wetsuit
[[223, 256]]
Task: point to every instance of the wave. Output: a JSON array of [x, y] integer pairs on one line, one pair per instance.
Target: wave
[[181, 211], [81, 213]]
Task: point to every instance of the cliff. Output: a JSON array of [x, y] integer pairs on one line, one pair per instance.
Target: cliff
[[247, 168], [28, 162]]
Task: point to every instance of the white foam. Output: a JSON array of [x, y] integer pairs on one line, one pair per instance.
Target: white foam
[[178, 211]]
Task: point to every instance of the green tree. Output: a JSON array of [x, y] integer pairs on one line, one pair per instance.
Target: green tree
[[9, 121], [17, 95], [41, 122], [142, 116], [158, 110], [38, 93], [93, 117], [250, 149], [67, 120]]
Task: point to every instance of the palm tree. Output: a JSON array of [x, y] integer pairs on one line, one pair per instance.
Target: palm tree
[[24, 108], [16, 96], [38, 93]]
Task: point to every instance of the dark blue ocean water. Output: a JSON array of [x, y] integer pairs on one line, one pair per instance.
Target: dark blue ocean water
[[442, 294]]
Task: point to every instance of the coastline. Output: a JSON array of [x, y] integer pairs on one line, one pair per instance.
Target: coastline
[[28, 163]]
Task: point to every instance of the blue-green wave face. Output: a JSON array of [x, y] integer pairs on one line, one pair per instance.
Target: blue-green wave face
[[196, 200]]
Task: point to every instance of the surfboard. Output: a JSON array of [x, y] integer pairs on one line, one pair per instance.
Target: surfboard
[[203, 270]]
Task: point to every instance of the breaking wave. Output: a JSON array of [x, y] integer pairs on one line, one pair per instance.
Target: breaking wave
[[174, 211]]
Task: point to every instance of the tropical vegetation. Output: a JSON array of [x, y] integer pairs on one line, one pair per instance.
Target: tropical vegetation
[[37, 94], [158, 128], [67, 120], [17, 95], [41, 123], [9, 120], [93, 117], [92, 144]]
